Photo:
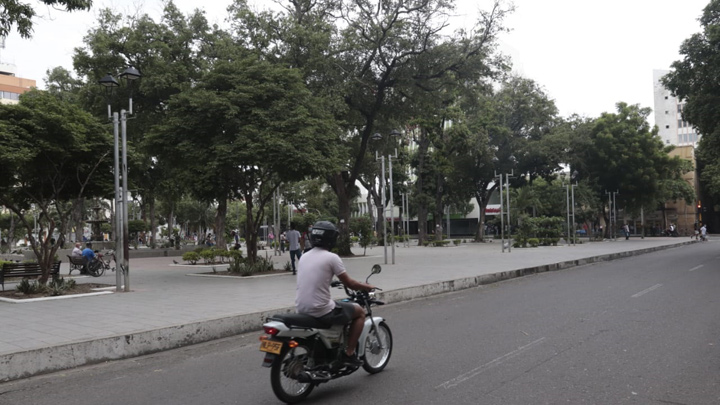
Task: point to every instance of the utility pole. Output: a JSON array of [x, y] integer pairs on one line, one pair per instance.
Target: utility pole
[[507, 184]]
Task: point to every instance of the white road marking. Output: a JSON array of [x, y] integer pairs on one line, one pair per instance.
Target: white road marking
[[696, 267], [647, 290], [472, 373]]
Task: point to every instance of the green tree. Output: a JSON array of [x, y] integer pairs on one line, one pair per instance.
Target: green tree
[[20, 15], [171, 54], [693, 80], [626, 155], [58, 154], [363, 228], [509, 129], [244, 128], [369, 63]]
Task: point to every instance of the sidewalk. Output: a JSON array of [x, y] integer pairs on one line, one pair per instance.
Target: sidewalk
[[168, 309]]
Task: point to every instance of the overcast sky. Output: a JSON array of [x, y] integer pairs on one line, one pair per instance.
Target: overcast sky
[[588, 55]]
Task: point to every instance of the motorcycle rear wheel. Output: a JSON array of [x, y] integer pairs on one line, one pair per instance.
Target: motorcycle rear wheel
[[284, 372], [378, 348]]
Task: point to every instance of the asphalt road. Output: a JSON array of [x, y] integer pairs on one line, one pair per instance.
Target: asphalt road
[[643, 330]]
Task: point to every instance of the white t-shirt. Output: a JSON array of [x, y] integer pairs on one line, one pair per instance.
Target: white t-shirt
[[314, 274]]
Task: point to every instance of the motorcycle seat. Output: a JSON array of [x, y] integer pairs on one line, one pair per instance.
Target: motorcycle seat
[[301, 320]]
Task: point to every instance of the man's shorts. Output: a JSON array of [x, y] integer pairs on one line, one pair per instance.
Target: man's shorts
[[340, 315]]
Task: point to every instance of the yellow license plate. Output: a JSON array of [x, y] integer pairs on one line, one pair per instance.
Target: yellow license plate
[[271, 346]]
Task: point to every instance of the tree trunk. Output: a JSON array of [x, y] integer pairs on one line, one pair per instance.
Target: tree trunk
[[423, 146], [343, 194], [370, 211], [438, 215], [11, 236], [153, 224], [77, 219], [482, 204], [251, 231], [379, 224], [220, 224]]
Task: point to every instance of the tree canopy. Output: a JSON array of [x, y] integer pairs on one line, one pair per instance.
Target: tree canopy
[[14, 13], [52, 153], [693, 79]]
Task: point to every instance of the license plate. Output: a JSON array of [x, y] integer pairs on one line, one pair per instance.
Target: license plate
[[271, 346]]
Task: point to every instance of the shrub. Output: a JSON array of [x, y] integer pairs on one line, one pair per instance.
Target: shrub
[[457, 242], [363, 226], [534, 242], [287, 267], [236, 262], [59, 287], [222, 254], [208, 255], [235, 255], [26, 287], [192, 257]]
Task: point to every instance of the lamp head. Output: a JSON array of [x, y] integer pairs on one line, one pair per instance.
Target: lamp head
[[131, 74], [376, 136], [109, 81]]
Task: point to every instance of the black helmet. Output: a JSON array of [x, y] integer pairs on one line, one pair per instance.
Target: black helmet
[[324, 234]]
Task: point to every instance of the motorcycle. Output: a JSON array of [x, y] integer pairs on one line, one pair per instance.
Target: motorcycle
[[303, 352]]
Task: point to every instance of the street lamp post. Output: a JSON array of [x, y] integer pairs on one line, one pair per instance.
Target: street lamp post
[[122, 245], [572, 197], [505, 209], [612, 212], [377, 137]]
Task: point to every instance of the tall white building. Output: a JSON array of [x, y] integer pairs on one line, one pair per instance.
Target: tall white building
[[668, 115]]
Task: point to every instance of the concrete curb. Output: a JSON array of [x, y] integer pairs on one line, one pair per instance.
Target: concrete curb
[[34, 362]]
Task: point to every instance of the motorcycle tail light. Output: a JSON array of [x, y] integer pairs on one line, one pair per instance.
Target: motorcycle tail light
[[264, 337], [292, 344], [270, 330]]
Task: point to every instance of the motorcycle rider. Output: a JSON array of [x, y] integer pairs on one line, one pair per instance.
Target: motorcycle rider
[[315, 271]]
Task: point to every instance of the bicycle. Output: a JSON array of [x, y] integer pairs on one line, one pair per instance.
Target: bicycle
[[102, 263]]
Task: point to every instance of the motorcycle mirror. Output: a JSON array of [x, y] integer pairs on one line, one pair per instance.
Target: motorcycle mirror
[[376, 269]]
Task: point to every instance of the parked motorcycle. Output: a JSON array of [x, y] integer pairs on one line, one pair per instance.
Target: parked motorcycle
[[303, 352]]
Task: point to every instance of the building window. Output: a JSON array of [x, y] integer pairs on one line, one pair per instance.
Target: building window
[[9, 95]]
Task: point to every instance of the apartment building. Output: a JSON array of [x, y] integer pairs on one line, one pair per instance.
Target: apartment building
[[668, 115], [11, 86]]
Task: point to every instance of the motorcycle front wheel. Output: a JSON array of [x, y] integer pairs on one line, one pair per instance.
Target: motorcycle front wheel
[[378, 348], [284, 372]]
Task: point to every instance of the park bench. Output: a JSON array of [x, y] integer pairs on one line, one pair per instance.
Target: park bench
[[77, 263], [25, 270]]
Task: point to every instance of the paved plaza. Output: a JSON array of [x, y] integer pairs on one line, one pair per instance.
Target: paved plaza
[[169, 306]]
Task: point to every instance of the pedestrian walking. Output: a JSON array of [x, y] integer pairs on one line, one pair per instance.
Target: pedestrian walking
[[703, 233], [293, 237], [626, 230], [306, 242]]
